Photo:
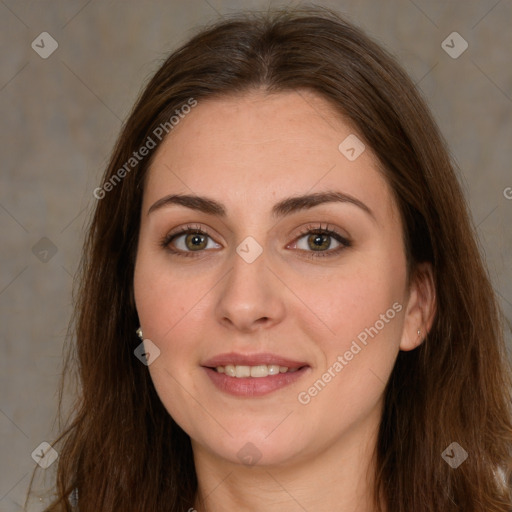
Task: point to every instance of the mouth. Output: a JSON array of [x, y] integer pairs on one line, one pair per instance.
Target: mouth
[[253, 375], [258, 371]]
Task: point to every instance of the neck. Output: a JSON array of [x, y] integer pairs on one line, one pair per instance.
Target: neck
[[339, 478]]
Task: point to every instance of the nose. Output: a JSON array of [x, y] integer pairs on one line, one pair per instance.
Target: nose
[[251, 297]]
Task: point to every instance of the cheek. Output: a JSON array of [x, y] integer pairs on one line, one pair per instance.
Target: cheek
[[362, 310], [168, 304], [364, 304], [365, 294], [167, 298], [365, 317]]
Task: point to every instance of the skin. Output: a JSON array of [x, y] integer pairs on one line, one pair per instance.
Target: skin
[[249, 152]]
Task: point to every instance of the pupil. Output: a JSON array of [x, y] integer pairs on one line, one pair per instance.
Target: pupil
[[320, 241], [196, 240]]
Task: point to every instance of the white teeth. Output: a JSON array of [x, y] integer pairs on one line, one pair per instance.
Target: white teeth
[[242, 371], [230, 370], [273, 369], [262, 370], [259, 371]]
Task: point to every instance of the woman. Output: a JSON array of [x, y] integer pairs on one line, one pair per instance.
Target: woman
[[282, 304]]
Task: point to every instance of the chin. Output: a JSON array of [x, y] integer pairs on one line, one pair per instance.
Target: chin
[[255, 447]]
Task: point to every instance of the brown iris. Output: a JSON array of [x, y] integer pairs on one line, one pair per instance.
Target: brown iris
[[319, 241], [197, 241]]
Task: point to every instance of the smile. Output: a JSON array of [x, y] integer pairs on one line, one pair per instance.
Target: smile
[[253, 375], [262, 370]]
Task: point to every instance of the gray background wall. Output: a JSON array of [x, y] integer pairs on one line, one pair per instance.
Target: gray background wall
[[60, 117]]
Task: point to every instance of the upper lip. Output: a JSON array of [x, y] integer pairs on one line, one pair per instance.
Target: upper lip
[[251, 360]]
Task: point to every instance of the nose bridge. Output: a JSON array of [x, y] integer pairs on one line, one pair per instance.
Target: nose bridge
[[248, 295]]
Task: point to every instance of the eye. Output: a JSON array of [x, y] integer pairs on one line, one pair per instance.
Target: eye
[[319, 241], [188, 241], [315, 241]]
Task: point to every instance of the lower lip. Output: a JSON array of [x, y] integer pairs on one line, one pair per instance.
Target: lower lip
[[254, 386]]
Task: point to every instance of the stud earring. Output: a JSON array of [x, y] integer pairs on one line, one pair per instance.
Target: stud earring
[[139, 333], [419, 332]]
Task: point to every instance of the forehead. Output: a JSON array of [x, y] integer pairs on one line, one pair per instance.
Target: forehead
[[265, 146]]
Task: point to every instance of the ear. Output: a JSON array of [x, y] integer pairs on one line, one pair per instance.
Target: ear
[[421, 307]]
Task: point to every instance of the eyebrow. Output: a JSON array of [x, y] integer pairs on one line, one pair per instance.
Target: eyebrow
[[285, 207]]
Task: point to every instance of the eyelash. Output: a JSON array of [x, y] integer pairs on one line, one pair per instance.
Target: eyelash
[[308, 230]]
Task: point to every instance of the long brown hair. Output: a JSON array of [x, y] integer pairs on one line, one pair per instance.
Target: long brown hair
[[123, 451]]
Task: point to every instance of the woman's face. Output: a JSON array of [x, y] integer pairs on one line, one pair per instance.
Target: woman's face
[[266, 286]]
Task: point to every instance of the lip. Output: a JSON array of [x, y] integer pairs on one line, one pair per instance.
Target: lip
[[251, 360], [253, 386]]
